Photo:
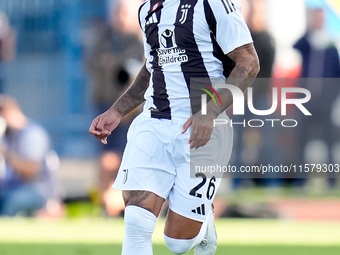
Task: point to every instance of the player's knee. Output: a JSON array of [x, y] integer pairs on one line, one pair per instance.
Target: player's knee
[[179, 246], [139, 220], [139, 226]]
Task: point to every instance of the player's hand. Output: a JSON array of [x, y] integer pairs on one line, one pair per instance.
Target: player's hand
[[202, 127], [104, 124]]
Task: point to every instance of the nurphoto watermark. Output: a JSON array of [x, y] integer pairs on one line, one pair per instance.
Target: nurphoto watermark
[[276, 128]]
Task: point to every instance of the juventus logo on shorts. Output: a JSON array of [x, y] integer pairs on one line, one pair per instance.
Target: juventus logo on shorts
[[199, 210], [184, 10], [228, 6], [125, 175]]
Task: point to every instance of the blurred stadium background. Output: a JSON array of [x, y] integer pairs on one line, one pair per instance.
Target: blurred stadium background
[[50, 78]]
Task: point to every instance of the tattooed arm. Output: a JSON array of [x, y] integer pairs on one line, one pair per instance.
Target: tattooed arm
[[104, 124], [243, 74], [134, 95]]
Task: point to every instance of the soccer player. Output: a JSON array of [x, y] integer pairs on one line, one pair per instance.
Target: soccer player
[[183, 39]]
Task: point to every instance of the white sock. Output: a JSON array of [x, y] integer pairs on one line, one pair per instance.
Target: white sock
[[139, 227]]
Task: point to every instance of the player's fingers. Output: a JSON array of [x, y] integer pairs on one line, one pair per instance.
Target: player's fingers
[[104, 122], [195, 142], [106, 132], [93, 126], [193, 134], [104, 140], [100, 124], [202, 137], [99, 136], [99, 133], [199, 142], [186, 125], [198, 139], [94, 132], [205, 141], [202, 141], [207, 138], [196, 134]]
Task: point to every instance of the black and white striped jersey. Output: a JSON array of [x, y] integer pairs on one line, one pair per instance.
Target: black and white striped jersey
[[185, 39]]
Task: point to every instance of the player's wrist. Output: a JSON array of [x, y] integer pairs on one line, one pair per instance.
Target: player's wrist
[[115, 111], [212, 115], [213, 112]]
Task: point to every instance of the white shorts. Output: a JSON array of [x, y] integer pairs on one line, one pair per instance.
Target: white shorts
[[157, 158]]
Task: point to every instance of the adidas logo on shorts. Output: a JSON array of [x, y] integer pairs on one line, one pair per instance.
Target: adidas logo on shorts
[[199, 210]]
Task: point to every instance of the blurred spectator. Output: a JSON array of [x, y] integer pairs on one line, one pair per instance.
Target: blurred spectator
[[111, 198], [320, 59], [28, 182], [249, 141], [7, 44], [263, 42], [115, 59]]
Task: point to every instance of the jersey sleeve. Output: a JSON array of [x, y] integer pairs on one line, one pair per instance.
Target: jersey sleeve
[[227, 24]]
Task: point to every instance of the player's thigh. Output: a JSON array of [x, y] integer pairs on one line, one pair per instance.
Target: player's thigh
[[190, 199], [145, 199], [147, 172]]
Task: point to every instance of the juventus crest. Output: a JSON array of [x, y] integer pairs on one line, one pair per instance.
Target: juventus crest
[[184, 9]]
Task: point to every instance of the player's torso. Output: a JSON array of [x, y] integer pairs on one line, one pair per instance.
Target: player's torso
[[175, 30], [178, 48]]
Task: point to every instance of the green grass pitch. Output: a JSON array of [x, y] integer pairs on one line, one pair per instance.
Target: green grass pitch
[[104, 237]]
